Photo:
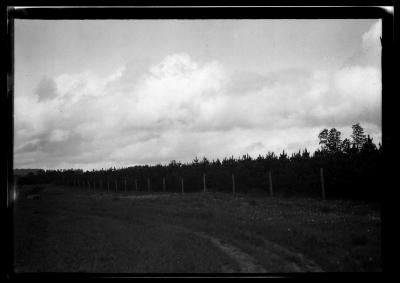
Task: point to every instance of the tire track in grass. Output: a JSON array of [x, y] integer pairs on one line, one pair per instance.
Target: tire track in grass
[[290, 261], [246, 263], [298, 261]]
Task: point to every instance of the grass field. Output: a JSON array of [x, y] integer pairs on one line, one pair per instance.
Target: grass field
[[72, 230]]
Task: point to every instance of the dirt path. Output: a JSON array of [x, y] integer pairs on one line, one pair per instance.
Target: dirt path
[[288, 260], [246, 263], [296, 262]]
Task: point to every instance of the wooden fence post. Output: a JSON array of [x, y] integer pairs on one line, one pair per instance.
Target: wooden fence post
[[163, 184], [322, 183], [182, 185], [233, 183], [204, 182], [271, 191]]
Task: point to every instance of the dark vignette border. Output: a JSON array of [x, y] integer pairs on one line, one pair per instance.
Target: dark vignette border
[[274, 11]]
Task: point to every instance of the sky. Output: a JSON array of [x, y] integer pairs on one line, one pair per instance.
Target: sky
[[97, 94]]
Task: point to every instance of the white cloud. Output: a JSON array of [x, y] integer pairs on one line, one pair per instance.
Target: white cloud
[[371, 37], [369, 51], [359, 85], [180, 108]]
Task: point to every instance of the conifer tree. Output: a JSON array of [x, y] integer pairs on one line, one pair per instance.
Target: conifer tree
[[358, 137]]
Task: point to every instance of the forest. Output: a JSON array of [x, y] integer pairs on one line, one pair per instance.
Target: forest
[[351, 169]]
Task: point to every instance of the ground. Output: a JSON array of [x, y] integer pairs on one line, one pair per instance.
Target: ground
[[69, 229]]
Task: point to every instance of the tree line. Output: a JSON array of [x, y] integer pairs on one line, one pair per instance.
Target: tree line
[[352, 170]]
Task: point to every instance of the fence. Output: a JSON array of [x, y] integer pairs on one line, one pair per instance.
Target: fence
[[178, 183], [358, 176]]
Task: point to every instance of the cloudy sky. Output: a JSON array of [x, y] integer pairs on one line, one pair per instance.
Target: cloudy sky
[[96, 94]]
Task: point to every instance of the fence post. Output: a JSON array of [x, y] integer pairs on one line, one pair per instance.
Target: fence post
[[322, 183], [204, 182], [233, 183], [148, 184], [163, 184], [271, 192], [182, 185]]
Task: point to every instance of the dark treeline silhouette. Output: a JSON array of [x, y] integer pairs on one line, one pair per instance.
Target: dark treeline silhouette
[[351, 169]]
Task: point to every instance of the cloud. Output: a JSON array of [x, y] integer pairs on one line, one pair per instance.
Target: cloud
[[58, 135], [46, 89], [368, 52], [180, 108], [370, 39], [359, 85]]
